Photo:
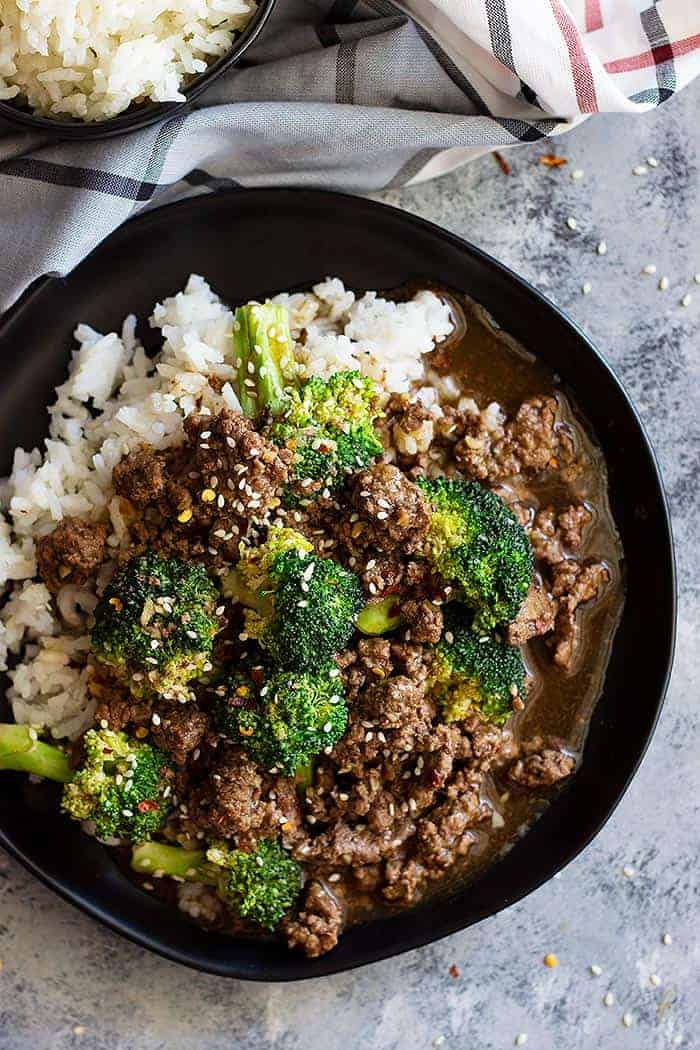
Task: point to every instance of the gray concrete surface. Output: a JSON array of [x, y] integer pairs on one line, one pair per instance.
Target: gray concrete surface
[[66, 982]]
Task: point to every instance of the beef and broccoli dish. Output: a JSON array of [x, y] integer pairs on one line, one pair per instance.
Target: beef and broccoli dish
[[307, 614]]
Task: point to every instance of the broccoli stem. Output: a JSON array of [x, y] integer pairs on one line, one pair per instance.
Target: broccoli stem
[[157, 859], [379, 617], [21, 751], [304, 775], [264, 357]]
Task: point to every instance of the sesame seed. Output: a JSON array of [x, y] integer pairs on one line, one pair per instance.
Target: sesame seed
[[382, 515], [439, 1040], [155, 718], [649, 269], [521, 1039], [687, 299], [663, 284], [577, 174], [205, 434], [667, 939], [595, 970], [608, 999], [571, 223], [654, 980], [79, 1029], [652, 162], [335, 877], [639, 169], [696, 278], [586, 288], [327, 727], [628, 872], [627, 1020], [602, 248]]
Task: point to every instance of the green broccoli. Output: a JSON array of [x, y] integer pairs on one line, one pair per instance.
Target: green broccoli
[[260, 886], [121, 784], [329, 424], [264, 358], [301, 608], [287, 721], [155, 625], [476, 543], [21, 749], [381, 616], [471, 671]]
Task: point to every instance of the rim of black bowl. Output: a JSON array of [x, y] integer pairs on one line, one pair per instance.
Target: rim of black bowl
[[397, 934], [145, 114]]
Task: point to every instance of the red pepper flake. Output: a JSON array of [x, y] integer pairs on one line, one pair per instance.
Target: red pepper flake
[[502, 162], [147, 806], [549, 160], [454, 971]]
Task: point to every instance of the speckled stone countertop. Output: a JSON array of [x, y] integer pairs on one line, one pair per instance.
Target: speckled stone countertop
[[67, 982]]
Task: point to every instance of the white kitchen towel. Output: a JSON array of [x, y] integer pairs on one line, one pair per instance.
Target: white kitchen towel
[[350, 94]]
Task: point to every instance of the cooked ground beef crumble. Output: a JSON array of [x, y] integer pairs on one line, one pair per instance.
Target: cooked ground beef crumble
[[403, 796]]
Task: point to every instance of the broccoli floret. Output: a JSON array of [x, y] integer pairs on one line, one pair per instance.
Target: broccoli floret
[[287, 721], [264, 357], [155, 625], [472, 671], [476, 543], [301, 608], [21, 750], [261, 886], [329, 424], [121, 785]]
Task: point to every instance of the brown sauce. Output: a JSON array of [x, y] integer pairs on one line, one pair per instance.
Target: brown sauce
[[492, 366]]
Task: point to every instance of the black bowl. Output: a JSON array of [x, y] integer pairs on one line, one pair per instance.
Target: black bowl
[[140, 116], [248, 243]]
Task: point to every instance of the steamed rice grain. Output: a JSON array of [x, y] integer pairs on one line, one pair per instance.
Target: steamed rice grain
[[91, 59]]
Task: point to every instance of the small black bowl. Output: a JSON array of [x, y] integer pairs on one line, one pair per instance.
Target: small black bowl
[[227, 237], [140, 116]]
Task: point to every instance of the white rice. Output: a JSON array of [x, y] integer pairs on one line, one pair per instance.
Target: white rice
[[91, 59], [136, 400]]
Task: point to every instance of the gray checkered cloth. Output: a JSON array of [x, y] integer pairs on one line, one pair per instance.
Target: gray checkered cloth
[[349, 94]]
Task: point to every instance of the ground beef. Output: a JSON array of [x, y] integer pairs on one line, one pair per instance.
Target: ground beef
[[572, 522], [179, 729], [537, 616], [245, 471], [116, 707], [573, 584], [72, 553], [529, 444], [540, 767], [553, 533], [392, 511], [140, 477], [238, 801], [396, 703], [315, 930], [423, 619]]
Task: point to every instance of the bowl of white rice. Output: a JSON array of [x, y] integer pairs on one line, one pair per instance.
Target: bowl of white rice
[[96, 68]]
